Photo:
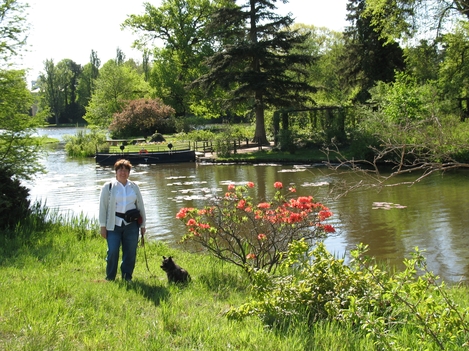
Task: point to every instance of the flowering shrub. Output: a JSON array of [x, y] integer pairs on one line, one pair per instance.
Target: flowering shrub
[[255, 235]]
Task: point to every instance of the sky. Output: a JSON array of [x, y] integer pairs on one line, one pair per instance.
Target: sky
[[70, 29]]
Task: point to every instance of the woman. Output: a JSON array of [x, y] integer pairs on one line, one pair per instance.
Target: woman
[[118, 197]]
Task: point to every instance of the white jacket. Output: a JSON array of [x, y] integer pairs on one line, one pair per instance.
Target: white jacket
[[107, 205]]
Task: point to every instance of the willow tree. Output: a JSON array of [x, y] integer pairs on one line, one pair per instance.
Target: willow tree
[[258, 62]]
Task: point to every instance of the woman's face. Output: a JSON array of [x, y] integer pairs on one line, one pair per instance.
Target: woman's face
[[122, 174]]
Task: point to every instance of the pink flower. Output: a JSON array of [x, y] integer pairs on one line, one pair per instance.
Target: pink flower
[[264, 205], [250, 185], [278, 185], [292, 189], [261, 237], [231, 187], [250, 256]]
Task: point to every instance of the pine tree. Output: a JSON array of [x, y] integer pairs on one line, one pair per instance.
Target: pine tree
[[258, 62]]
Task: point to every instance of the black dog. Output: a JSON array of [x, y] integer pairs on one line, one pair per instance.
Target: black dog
[[175, 273]]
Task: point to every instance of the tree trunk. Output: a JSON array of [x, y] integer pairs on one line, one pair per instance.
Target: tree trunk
[[260, 136]]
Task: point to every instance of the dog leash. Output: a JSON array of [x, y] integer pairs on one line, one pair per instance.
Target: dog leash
[[145, 255]]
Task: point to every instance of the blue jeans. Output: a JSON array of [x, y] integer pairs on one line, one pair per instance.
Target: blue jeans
[[127, 235]]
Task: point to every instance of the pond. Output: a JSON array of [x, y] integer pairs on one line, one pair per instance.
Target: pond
[[431, 214]]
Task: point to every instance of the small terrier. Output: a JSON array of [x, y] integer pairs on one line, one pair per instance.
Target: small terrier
[[175, 273]]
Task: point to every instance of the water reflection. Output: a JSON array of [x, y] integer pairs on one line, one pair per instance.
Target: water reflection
[[430, 215]]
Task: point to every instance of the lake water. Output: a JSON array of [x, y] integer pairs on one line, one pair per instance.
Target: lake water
[[431, 214]]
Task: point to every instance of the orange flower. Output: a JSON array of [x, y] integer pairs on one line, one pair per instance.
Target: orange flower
[[250, 185], [241, 204], [183, 212], [328, 228], [278, 185], [250, 256], [264, 205], [191, 222], [324, 214], [231, 187], [261, 237]]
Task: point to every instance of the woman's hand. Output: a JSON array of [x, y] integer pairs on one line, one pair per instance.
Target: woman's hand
[[104, 232]]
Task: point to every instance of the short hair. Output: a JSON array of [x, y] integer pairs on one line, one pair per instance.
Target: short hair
[[122, 164]]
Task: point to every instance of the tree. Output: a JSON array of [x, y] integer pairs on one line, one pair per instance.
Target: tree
[[180, 25], [49, 89], [115, 85], [86, 82], [142, 117], [367, 58], [120, 57], [405, 18], [58, 86], [255, 60], [328, 46], [423, 60], [13, 27], [18, 150]]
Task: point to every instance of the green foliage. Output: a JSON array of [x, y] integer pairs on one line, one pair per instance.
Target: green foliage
[[12, 28], [181, 27], [58, 91], [367, 58], [286, 140], [404, 101], [254, 235], [200, 135], [453, 70], [14, 202], [18, 150], [85, 143], [142, 117], [314, 285], [115, 85]]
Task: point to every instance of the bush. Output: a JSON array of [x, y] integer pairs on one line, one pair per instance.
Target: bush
[[143, 117], [254, 236], [316, 286], [84, 144], [157, 138], [14, 203]]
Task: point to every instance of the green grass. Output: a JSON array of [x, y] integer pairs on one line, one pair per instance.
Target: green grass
[[54, 297]]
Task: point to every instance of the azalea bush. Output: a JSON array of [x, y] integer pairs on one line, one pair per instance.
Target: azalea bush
[[254, 235]]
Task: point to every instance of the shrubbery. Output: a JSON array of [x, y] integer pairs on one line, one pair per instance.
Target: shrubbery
[[314, 285], [84, 143], [14, 202]]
